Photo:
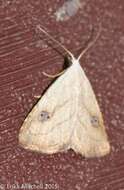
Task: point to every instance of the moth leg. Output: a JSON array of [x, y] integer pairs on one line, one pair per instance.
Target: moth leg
[[54, 76], [37, 96]]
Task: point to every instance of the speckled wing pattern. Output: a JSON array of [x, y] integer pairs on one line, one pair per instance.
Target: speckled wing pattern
[[67, 116]]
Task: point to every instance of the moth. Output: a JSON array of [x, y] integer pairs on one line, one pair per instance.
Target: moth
[[67, 116]]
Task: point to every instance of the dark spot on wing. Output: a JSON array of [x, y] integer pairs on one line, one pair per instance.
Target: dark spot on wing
[[44, 116], [94, 121]]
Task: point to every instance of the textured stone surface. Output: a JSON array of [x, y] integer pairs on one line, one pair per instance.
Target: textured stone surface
[[24, 54]]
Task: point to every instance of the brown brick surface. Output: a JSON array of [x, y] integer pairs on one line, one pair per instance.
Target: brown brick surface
[[24, 54]]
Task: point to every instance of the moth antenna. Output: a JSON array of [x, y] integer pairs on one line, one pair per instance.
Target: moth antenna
[[54, 40], [91, 43]]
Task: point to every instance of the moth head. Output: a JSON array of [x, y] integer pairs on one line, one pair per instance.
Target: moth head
[[69, 61]]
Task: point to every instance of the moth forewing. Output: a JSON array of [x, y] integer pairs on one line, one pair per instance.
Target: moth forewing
[[67, 116]]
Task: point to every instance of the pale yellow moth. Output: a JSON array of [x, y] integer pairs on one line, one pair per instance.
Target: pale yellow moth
[[67, 116]]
